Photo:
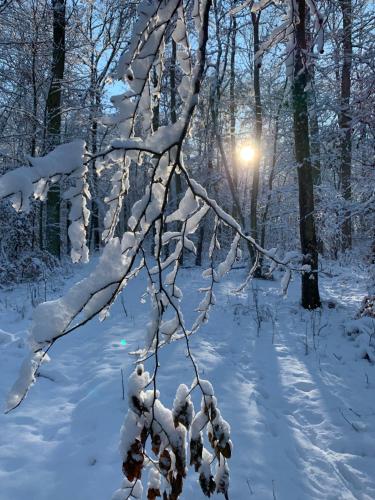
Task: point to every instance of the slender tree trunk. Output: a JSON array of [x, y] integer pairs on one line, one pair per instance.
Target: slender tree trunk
[[53, 114], [258, 132], [315, 156], [95, 219], [313, 115], [232, 102], [345, 121], [310, 288], [35, 99], [94, 231], [315, 139], [172, 77], [173, 95], [209, 145], [155, 126], [270, 179], [37, 209]]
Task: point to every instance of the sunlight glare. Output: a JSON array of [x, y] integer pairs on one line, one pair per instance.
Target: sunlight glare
[[247, 153]]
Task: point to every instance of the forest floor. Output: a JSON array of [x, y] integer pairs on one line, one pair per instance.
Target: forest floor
[[297, 392]]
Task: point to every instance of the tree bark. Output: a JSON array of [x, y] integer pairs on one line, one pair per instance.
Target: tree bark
[[313, 122], [255, 18], [270, 178], [311, 102], [53, 114], [232, 102], [172, 77], [173, 96], [310, 288], [345, 121], [315, 140]]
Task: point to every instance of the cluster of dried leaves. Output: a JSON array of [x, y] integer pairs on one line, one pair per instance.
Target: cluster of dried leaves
[[159, 439]]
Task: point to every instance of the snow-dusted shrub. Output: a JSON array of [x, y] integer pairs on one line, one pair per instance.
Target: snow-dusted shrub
[[361, 331], [367, 307], [19, 261]]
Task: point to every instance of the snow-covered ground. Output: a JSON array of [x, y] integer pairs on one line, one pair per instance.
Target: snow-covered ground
[[298, 395]]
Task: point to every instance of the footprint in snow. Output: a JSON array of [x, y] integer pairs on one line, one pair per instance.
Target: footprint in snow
[[304, 386]]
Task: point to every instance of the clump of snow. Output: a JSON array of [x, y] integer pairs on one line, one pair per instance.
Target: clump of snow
[[222, 477], [138, 380], [130, 431], [25, 379], [183, 409], [65, 160], [187, 206], [88, 296], [170, 327], [200, 420], [129, 490], [225, 266]]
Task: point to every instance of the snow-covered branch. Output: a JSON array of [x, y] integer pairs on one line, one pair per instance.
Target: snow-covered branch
[[65, 161]]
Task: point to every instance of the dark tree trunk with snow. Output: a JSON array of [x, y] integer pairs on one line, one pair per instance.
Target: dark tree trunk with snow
[[53, 115], [310, 289], [93, 140], [345, 120], [95, 219]]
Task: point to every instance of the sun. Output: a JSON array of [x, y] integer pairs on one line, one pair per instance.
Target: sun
[[247, 153]]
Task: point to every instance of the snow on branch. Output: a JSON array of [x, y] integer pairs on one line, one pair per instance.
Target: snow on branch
[[285, 31], [65, 161]]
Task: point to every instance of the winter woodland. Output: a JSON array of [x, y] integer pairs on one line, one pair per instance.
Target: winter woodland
[[187, 249]]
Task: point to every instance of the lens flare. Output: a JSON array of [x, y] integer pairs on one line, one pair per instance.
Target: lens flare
[[247, 153]]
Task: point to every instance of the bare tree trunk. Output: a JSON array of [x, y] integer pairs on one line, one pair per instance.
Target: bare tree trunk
[[311, 102], [270, 178], [315, 139], [310, 288], [232, 102], [315, 156], [255, 18], [155, 126], [35, 98], [172, 78], [95, 219], [345, 121], [53, 113], [37, 210], [94, 233], [313, 123]]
